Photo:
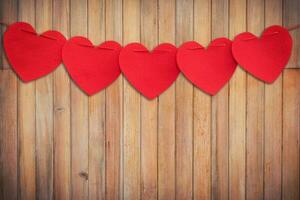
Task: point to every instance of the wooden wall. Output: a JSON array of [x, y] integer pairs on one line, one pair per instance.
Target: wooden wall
[[243, 143]]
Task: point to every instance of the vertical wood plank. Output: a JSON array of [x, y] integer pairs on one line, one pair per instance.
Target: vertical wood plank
[[273, 118], [184, 108], [114, 108], [291, 17], [8, 135], [96, 33], [61, 92], [202, 110], [255, 112], [237, 111], [291, 133], [8, 115], [79, 114], [26, 121], [149, 35], [166, 110], [220, 112], [9, 14], [132, 126], [44, 113]]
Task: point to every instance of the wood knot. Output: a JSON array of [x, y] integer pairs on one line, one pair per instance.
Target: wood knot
[[84, 175], [59, 109]]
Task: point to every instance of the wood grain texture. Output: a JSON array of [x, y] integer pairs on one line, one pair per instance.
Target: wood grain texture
[[79, 114], [9, 117], [8, 135], [114, 109], [237, 111], [243, 143], [220, 111], [166, 110], [255, 113], [62, 115], [149, 37], [8, 14], [44, 113], [202, 111], [291, 133], [273, 119], [184, 108], [96, 156], [26, 121], [291, 17], [132, 109]]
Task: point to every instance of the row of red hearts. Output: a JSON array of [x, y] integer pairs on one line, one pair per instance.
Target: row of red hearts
[[93, 68]]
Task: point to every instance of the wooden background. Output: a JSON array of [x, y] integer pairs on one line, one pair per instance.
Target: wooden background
[[243, 143]]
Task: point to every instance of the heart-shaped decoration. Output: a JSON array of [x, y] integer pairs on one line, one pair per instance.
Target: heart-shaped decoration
[[92, 67], [263, 57], [150, 73], [31, 55], [209, 69]]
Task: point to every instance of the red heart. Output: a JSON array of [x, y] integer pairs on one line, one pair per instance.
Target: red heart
[[263, 57], [150, 73], [91, 67], [31, 55], [209, 69]]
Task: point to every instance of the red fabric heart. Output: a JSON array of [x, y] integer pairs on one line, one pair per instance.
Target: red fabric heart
[[209, 69], [91, 67], [263, 57], [31, 55], [150, 73]]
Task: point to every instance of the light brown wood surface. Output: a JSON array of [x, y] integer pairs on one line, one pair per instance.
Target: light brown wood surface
[[243, 143], [255, 114]]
